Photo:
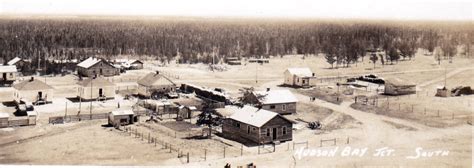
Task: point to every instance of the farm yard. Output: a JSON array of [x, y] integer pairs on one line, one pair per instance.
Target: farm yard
[[157, 109]]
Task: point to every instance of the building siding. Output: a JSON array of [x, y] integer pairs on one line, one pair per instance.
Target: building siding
[[107, 70], [258, 135]]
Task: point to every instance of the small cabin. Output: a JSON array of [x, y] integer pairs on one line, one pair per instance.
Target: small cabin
[[8, 74], [299, 77], [443, 92], [155, 84], [4, 119], [279, 101], [34, 91], [122, 117], [96, 88], [257, 125]]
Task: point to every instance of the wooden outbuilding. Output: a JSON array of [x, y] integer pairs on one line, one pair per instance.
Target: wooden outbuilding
[[280, 101], [396, 86], [186, 112], [4, 119], [443, 92], [257, 125], [155, 84], [95, 66], [34, 91], [299, 77], [122, 117], [8, 74], [17, 62], [132, 64], [96, 88]]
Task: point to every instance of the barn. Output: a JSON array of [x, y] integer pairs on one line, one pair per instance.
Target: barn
[[95, 66], [299, 77], [96, 88], [280, 101], [34, 91], [8, 74], [155, 84], [122, 117], [257, 125], [396, 86]]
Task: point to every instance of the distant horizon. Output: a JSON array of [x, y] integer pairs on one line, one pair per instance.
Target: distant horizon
[[402, 10]]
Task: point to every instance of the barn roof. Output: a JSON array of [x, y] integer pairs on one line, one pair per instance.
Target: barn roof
[[99, 81], [32, 84], [302, 72], [8, 68], [14, 61], [398, 82], [155, 79], [276, 96], [252, 116], [122, 112], [4, 115], [89, 62]]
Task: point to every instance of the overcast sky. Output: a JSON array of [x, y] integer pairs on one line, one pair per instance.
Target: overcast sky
[[361, 9]]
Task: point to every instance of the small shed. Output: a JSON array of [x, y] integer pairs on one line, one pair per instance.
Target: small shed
[[396, 86], [257, 125], [122, 117], [186, 112], [442, 92], [4, 119]]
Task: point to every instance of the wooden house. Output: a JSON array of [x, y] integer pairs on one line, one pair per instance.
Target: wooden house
[[155, 84], [34, 91], [94, 66], [257, 125], [4, 119], [280, 101], [134, 64], [8, 74], [96, 88], [299, 77], [121, 117], [396, 86], [17, 62]]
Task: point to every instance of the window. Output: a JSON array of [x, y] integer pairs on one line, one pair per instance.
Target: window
[[268, 132], [248, 129], [297, 79], [272, 107], [304, 81], [283, 107], [284, 130], [237, 125], [11, 74]]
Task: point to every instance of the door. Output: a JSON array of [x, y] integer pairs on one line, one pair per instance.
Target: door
[[274, 134], [4, 76], [40, 95], [100, 92], [100, 71]]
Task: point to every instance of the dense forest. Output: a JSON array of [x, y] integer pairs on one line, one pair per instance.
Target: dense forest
[[199, 40]]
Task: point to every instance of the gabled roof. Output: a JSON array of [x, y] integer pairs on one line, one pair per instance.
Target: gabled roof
[[89, 62], [275, 96], [398, 82], [301, 72], [122, 112], [155, 79], [8, 68], [32, 85], [14, 61], [253, 116], [134, 61], [98, 81]]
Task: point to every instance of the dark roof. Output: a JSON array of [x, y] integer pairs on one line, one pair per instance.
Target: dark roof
[[99, 81], [155, 79], [32, 85]]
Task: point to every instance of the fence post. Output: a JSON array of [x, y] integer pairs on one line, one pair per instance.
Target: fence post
[[224, 151], [187, 157], [412, 108], [241, 150], [148, 137], [171, 148], [154, 140], [205, 154], [347, 140]]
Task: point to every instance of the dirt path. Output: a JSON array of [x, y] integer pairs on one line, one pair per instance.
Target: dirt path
[[441, 78]]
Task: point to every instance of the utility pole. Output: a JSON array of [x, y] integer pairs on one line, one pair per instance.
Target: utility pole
[[90, 108]]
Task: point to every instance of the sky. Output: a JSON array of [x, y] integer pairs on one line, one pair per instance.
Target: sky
[[344, 9]]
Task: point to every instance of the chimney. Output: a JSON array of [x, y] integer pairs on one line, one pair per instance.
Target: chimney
[[313, 74], [32, 79], [268, 89], [157, 72]]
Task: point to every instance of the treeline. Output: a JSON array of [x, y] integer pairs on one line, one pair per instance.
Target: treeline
[[201, 40]]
